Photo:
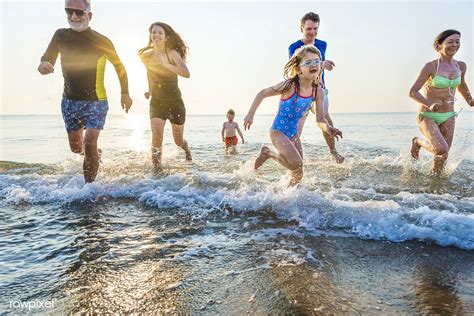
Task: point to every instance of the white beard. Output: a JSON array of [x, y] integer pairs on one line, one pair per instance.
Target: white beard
[[79, 26]]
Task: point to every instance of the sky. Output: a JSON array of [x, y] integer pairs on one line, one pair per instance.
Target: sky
[[238, 48]]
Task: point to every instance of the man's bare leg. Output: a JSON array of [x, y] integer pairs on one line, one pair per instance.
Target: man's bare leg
[[91, 154]]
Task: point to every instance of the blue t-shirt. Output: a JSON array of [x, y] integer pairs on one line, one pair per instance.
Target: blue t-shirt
[[321, 45]]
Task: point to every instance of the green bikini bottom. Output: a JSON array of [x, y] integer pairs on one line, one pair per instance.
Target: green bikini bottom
[[439, 118]]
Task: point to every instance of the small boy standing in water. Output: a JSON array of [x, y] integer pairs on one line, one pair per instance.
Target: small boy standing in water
[[229, 128]]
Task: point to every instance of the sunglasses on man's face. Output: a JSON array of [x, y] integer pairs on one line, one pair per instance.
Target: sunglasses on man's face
[[79, 13]]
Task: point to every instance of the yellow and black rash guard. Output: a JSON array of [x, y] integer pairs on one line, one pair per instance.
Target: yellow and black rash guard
[[83, 58]]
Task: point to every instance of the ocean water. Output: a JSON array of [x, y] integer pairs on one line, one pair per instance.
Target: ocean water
[[212, 236]]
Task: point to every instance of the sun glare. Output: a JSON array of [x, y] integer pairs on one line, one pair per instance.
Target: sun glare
[[137, 124]]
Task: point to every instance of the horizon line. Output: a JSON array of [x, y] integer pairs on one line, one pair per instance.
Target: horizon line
[[214, 114]]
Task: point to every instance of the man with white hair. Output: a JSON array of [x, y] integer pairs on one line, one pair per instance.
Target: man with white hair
[[84, 53]]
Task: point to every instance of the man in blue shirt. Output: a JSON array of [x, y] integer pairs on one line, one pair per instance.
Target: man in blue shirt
[[309, 28]]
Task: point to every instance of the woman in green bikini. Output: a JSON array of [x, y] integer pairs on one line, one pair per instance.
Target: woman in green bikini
[[436, 119]]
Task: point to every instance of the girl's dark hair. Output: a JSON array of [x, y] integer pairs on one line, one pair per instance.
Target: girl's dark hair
[[444, 35], [291, 70], [174, 41]]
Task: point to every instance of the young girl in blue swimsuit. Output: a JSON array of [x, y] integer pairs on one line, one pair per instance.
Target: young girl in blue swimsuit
[[300, 93], [440, 78]]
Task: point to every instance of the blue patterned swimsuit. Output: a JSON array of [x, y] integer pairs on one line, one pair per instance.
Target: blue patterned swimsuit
[[290, 112]]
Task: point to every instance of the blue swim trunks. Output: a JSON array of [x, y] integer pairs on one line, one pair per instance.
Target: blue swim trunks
[[83, 114]]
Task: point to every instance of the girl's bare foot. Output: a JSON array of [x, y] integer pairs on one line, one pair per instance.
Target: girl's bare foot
[[296, 176], [337, 157], [188, 155], [262, 157], [415, 148]]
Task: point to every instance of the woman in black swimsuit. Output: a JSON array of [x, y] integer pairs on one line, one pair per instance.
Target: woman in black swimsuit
[[164, 59]]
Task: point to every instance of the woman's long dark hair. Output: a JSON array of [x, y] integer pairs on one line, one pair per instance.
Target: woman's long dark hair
[[290, 72], [174, 41]]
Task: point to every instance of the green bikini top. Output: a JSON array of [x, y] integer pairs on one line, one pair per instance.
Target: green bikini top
[[440, 82]]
